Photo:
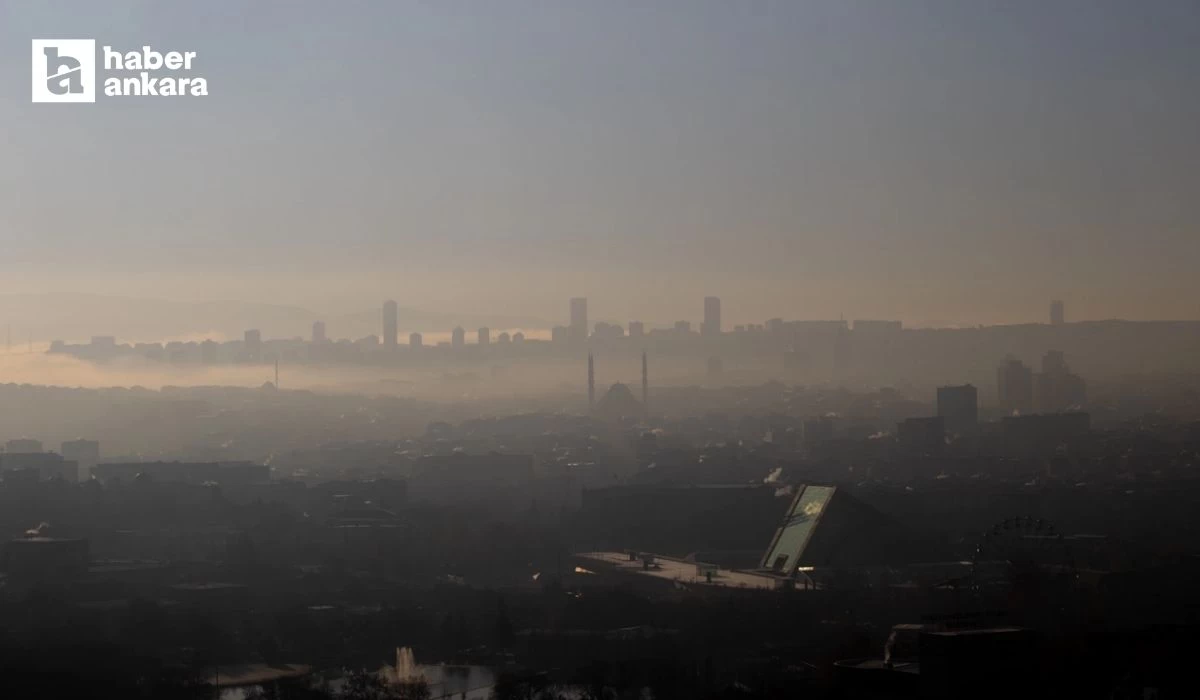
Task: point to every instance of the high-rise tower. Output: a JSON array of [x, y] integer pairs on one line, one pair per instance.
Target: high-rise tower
[[390, 324], [1014, 384], [1057, 313], [712, 317], [253, 343], [579, 321]]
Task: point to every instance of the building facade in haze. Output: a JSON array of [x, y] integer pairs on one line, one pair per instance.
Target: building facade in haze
[[253, 341], [1057, 314], [23, 446], [579, 320], [923, 433], [716, 367], [318, 333], [959, 407], [484, 336], [1055, 388], [1014, 387], [876, 327], [712, 317], [458, 337], [390, 324], [209, 351], [46, 465], [86, 453]]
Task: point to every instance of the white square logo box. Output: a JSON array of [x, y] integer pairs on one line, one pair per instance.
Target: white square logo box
[[64, 70]]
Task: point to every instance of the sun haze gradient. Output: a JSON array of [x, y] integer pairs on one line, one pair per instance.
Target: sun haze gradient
[[934, 162]]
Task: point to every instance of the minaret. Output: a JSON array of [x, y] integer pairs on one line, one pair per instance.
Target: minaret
[[645, 386], [591, 383]]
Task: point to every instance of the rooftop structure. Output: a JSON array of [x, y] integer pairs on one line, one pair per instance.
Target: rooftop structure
[[681, 571], [825, 526], [787, 548]]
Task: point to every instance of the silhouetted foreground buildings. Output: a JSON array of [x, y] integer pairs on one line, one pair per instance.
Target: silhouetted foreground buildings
[[768, 540]]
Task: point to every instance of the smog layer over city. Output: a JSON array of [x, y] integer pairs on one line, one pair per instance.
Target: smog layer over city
[[596, 350]]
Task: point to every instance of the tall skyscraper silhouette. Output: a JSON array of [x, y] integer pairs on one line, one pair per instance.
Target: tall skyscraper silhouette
[[1014, 384], [712, 317], [1057, 313], [252, 339], [458, 337], [484, 336], [318, 332], [579, 320], [1055, 388], [390, 313]]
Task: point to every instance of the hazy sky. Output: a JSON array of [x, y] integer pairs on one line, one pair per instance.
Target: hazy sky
[[958, 160]]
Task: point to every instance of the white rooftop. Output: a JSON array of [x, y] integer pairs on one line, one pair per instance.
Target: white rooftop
[[683, 571]]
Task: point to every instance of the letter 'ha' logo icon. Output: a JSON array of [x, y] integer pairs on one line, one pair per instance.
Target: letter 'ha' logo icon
[[64, 70]]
